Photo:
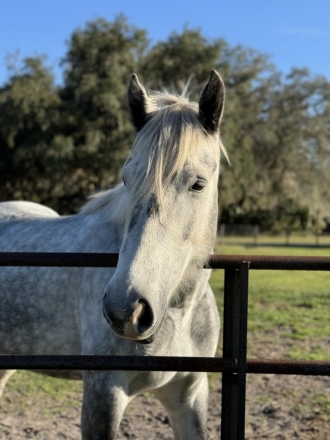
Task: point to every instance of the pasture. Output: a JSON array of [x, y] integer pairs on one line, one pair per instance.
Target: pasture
[[288, 318], [293, 304]]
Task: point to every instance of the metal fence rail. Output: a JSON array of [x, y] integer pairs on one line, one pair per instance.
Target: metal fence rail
[[56, 259], [162, 363], [233, 365]]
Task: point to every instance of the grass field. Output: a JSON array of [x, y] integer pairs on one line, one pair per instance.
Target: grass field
[[294, 303]]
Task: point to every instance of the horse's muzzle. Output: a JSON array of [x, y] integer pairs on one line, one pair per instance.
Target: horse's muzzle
[[135, 322]]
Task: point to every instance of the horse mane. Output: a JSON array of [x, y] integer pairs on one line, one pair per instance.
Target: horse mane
[[113, 201], [172, 135]]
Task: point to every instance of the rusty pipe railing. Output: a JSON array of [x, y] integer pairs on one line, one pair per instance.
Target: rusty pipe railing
[[67, 259], [162, 363]]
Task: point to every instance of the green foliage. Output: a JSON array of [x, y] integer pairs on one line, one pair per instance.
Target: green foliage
[[59, 144], [289, 217], [184, 56], [29, 113]]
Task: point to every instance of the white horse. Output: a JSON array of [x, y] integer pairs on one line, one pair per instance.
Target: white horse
[[162, 220]]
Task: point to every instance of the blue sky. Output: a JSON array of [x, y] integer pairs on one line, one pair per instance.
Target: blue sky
[[294, 32]]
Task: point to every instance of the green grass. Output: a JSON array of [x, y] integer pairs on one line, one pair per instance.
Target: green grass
[[296, 303], [57, 387], [323, 405], [28, 387]]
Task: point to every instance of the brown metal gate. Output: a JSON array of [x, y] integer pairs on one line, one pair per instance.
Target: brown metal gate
[[233, 365]]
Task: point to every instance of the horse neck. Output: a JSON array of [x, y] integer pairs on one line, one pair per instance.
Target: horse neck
[[99, 234]]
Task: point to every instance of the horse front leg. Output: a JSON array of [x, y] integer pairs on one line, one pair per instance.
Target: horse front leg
[[185, 399], [104, 403]]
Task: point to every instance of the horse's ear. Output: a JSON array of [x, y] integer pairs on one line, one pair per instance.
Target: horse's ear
[[211, 103], [137, 103]]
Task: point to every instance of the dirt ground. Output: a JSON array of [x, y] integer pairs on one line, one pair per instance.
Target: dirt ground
[[278, 407]]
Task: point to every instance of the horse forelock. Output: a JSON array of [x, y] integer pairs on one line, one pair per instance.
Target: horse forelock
[[172, 137]]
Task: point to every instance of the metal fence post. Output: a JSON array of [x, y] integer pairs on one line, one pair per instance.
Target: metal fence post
[[235, 346]]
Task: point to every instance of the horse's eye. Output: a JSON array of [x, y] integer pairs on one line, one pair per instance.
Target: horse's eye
[[124, 181], [198, 186]]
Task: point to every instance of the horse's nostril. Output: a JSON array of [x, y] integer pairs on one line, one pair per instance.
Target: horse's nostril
[[147, 318], [128, 321]]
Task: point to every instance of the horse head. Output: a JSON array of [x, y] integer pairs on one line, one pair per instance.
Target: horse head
[[170, 179]]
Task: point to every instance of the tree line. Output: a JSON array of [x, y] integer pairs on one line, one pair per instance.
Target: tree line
[[60, 143]]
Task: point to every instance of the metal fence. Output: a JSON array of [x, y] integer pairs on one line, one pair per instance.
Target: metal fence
[[234, 364]]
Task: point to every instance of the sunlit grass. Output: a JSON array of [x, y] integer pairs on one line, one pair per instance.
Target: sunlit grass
[[26, 385], [295, 302]]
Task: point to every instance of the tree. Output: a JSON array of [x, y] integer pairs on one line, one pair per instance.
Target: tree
[[57, 146], [292, 147], [189, 55], [29, 115], [98, 66]]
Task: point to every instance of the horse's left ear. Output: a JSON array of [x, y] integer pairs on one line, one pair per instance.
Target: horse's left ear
[[211, 103], [137, 103]]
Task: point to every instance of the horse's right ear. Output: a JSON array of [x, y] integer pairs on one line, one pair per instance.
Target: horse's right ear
[[137, 103]]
